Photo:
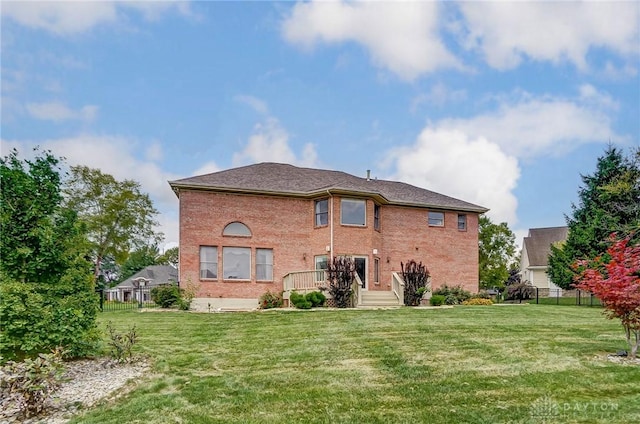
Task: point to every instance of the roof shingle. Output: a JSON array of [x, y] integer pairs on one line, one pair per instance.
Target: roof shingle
[[284, 179], [538, 243]]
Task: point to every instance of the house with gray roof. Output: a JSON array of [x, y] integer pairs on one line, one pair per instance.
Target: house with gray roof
[[272, 226], [151, 276], [534, 261]]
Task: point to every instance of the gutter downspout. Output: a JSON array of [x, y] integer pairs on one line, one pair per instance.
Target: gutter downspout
[[330, 225]]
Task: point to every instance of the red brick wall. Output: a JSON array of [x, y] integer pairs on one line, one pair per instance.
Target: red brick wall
[[286, 225]]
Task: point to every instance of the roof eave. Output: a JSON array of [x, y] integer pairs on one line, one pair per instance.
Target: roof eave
[[176, 186]]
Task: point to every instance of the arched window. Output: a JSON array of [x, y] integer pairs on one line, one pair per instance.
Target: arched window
[[236, 229]]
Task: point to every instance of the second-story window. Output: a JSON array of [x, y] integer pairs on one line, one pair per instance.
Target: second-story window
[[376, 217], [322, 212], [353, 212], [436, 219], [462, 222]]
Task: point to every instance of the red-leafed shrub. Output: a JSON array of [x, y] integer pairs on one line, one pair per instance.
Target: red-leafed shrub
[[616, 283]]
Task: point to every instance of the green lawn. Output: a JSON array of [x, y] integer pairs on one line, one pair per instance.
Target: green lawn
[[517, 364]]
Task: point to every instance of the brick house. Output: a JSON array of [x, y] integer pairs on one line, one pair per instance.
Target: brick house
[[250, 229]]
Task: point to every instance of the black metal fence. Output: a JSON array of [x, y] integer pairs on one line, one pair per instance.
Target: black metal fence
[[125, 299], [564, 297]]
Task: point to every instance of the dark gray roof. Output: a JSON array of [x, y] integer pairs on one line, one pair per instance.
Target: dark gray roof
[[538, 243], [158, 274], [289, 180]]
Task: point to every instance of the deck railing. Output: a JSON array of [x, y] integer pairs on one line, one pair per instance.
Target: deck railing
[[397, 285], [356, 287], [304, 280]]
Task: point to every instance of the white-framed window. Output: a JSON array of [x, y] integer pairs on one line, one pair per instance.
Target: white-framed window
[[208, 262], [436, 219], [353, 212], [321, 208], [236, 229], [236, 263], [264, 264], [376, 217], [322, 263], [462, 222]]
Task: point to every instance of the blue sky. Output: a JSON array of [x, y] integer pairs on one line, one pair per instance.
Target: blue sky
[[500, 104]]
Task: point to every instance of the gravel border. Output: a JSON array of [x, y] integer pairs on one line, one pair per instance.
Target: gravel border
[[86, 382]]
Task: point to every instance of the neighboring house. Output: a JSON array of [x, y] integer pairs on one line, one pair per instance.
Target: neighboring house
[[262, 227], [155, 275], [535, 255]]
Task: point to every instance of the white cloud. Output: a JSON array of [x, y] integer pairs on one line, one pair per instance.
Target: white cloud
[[469, 168], [531, 126], [476, 158], [207, 168], [256, 104], [58, 112], [154, 152], [438, 95], [402, 37], [270, 143], [507, 32], [67, 18]]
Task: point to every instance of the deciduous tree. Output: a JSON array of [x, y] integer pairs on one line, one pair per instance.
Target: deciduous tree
[[170, 257], [496, 255], [616, 282], [118, 216]]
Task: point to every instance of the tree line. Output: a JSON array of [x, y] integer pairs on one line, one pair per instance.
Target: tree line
[[60, 231]]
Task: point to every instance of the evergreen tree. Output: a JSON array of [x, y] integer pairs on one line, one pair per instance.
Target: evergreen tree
[[609, 202]]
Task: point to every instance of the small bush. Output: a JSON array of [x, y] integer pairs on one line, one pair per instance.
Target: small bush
[[300, 301], [166, 295], [482, 294], [34, 322], [121, 344], [437, 300], [188, 293], [451, 299], [32, 381], [341, 273], [520, 292], [312, 299], [271, 300], [453, 295], [416, 279], [316, 298], [478, 301]]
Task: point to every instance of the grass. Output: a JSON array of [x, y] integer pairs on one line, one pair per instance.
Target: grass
[[568, 301], [516, 364]]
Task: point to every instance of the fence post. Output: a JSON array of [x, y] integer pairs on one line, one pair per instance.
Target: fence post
[[537, 299], [578, 297]]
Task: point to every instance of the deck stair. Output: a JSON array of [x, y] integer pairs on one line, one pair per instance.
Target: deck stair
[[376, 298]]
